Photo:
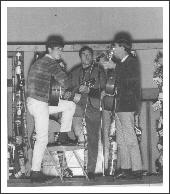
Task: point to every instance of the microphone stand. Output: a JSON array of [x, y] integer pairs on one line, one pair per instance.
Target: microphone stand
[[101, 135]]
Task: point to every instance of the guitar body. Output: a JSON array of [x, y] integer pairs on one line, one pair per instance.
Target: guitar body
[[109, 98], [108, 102], [110, 86], [56, 92]]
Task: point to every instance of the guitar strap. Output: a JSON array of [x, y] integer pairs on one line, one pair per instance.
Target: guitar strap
[[83, 79], [83, 73]]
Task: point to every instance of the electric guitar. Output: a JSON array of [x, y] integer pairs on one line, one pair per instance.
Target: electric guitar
[[57, 92]]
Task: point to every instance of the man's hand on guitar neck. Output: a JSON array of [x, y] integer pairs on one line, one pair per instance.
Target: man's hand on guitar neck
[[84, 89]]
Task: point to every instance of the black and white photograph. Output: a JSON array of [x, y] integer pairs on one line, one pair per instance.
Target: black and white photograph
[[85, 96]]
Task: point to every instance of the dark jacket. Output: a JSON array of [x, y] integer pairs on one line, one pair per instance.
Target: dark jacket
[[39, 77], [128, 85], [77, 76]]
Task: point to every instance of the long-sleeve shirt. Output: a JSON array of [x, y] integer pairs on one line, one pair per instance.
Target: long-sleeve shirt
[[39, 77]]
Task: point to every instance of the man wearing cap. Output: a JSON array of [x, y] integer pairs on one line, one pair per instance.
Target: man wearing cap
[[39, 79], [127, 104]]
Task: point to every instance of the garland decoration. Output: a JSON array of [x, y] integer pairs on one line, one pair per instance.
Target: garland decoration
[[158, 105]]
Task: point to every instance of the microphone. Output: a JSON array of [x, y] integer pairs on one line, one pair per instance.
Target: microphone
[[108, 54]]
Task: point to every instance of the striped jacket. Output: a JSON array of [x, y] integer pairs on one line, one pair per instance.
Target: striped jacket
[[39, 77]]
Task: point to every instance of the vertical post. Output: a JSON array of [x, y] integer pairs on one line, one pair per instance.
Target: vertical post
[[13, 97], [149, 140]]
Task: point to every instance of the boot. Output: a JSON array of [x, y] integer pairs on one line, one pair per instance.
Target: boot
[[39, 177], [64, 139]]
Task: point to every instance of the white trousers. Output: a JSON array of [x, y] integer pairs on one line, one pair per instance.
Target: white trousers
[[77, 128], [41, 111]]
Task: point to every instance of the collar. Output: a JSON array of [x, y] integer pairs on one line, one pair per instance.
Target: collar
[[85, 69], [124, 58], [47, 55]]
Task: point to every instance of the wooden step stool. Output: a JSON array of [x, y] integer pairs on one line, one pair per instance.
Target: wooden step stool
[[63, 150]]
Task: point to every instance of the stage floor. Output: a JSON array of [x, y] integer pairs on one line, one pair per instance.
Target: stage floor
[[81, 181]]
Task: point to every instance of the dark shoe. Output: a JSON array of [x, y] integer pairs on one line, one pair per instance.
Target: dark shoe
[[135, 175], [122, 174], [106, 172], [69, 142], [39, 177], [91, 175], [64, 139]]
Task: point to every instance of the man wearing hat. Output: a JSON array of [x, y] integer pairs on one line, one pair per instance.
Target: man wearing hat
[[38, 94], [127, 104]]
